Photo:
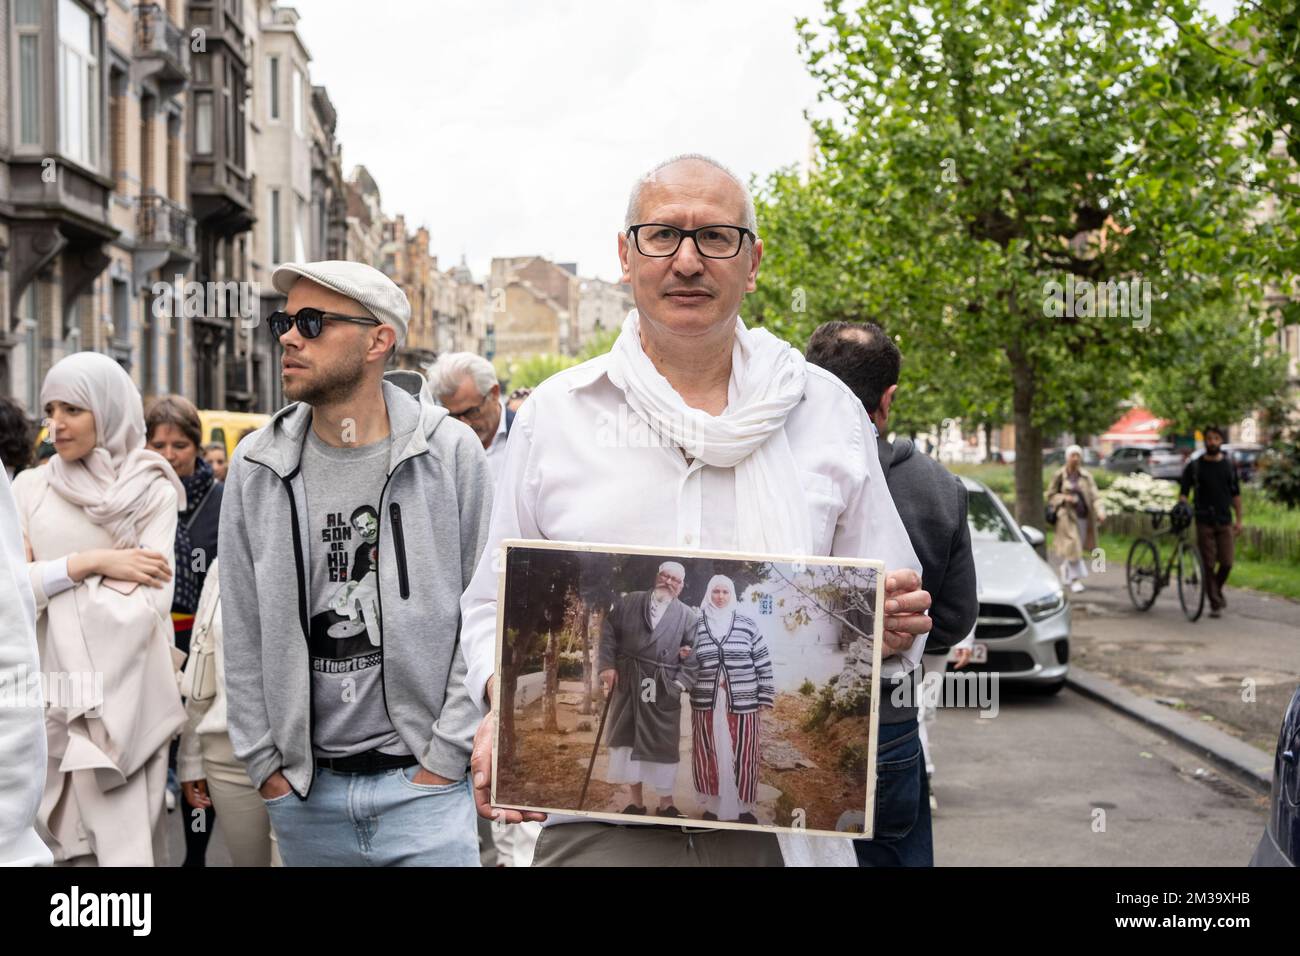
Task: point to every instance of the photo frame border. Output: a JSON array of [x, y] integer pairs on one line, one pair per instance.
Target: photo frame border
[[689, 553]]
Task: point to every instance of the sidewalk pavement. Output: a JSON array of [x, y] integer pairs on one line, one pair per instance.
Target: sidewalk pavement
[[1219, 685]]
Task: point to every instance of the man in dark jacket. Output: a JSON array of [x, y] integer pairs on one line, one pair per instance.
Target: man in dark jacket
[[932, 503], [1213, 478]]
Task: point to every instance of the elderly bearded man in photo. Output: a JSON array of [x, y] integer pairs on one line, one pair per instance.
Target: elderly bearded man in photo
[[755, 452], [644, 661]]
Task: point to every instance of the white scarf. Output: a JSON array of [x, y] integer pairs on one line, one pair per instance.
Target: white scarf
[[112, 482], [771, 514], [719, 619], [768, 379]]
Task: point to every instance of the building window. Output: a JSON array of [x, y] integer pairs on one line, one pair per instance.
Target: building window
[[148, 124], [148, 348], [27, 21], [297, 100], [240, 99], [117, 87], [31, 326], [203, 122], [122, 315], [227, 106], [275, 226], [78, 83], [274, 87], [174, 161], [299, 249]]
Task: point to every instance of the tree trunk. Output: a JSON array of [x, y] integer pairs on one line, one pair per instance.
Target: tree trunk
[[988, 441], [551, 663], [506, 715], [1029, 443], [584, 624]]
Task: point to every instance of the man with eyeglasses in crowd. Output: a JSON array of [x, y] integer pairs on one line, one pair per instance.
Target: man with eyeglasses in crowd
[[356, 731], [757, 452], [466, 384]]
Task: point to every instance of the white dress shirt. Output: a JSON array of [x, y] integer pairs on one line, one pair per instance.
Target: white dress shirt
[[496, 452], [581, 466]]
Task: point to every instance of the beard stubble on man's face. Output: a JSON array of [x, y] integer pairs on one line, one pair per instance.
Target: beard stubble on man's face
[[330, 383]]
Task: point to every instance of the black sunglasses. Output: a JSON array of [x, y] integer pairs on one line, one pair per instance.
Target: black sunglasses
[[311, 321]]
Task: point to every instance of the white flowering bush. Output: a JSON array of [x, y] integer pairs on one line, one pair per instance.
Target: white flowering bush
[[1137, 492]]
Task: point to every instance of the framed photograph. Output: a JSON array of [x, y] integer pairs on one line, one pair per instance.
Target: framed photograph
[[701, 688]]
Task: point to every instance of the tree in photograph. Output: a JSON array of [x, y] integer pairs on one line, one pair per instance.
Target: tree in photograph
[[846, 595], [538, 584]]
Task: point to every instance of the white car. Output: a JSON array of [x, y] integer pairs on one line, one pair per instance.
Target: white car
[[1023, 630]]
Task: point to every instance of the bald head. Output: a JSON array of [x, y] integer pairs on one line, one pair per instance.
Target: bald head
[[699, 173]]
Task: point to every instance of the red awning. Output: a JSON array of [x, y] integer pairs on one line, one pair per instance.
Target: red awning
[[1137, 426]]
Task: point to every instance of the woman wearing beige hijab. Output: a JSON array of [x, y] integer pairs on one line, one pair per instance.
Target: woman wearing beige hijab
[[1072, 493], [99, 523]]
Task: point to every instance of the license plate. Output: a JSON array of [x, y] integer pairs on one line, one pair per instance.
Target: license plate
[[979, 653]]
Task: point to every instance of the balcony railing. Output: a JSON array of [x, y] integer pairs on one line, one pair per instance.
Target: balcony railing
[[156, 36], [164, 223]]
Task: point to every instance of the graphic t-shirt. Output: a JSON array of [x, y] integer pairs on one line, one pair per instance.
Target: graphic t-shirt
[[347, 662]]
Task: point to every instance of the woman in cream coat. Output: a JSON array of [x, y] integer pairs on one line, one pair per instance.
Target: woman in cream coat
[[99, 525], [1079, 514]]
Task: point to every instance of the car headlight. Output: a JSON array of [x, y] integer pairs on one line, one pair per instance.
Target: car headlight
[[1046, 606]]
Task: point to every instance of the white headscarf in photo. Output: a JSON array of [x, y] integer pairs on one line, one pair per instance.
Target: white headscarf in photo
[[768, 381], [719, 618], [110, 483]]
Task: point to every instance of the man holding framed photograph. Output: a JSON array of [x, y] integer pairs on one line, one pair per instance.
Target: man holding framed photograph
[[753, 451]]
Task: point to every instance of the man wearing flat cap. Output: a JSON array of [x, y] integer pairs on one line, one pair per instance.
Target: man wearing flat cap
[[352, 522]]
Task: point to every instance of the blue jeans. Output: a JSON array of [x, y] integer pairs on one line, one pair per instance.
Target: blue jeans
[[376, 819], [902, 835]]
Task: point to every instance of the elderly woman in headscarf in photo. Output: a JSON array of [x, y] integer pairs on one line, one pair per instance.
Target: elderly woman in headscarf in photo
[[99, 527], [1072, 495], [733, 683]]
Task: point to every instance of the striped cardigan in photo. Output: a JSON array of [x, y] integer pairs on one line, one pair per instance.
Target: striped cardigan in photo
[[743, 652]]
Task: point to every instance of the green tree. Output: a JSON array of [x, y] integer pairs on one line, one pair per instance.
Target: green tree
[[997, 165], [1222, 367], [532, 371]]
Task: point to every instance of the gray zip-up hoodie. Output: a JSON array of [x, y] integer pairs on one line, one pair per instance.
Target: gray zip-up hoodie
[[433, 520]]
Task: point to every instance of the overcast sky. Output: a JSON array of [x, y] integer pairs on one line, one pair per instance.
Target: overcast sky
[[514, 128]]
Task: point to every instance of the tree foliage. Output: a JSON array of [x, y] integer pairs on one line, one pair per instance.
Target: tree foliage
[[989, 166]]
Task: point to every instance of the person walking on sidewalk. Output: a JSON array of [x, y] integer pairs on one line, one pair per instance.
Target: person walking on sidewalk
[[1213, 477], [350, 525], [1072, 494]]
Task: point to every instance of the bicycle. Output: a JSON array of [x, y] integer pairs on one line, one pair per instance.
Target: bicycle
[[1142, 570]]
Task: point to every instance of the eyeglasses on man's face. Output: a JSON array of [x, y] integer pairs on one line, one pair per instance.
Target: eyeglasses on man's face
[[658, 240], [474, 411], [311, 321]]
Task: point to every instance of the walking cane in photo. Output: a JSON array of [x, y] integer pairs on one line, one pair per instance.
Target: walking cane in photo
[[600, 730]]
